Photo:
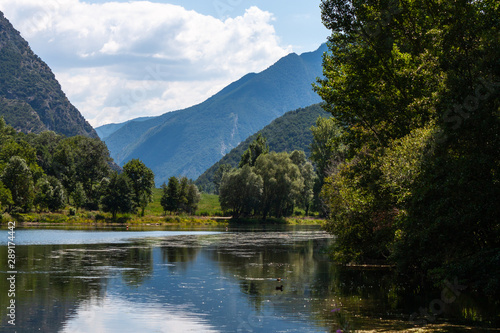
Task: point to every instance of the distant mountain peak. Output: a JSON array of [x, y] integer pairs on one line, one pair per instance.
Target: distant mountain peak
[[189, 141], [31, 99]]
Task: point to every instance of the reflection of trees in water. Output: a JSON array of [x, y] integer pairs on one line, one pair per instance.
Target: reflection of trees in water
[[258, 268], [49, 287], [180, 251], [181, 256], [53, 280]]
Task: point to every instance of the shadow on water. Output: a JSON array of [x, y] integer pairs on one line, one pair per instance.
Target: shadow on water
[[263, 279]]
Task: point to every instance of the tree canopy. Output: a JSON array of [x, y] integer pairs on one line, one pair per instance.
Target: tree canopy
[[413, 87]]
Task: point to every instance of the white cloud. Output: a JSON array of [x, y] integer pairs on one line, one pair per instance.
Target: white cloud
[[118, 61], [113, 313]]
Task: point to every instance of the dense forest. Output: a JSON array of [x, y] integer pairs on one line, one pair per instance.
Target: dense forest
[[47, 172], [414, 176]]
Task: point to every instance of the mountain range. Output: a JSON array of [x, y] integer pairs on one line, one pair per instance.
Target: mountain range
[[31, 99], [188, 141]]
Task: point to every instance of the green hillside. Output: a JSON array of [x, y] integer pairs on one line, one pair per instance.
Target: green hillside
[[287, 133], [189, 141], [31, 99]]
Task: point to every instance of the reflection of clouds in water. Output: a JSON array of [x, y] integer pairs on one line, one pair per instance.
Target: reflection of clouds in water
[[50, 236], [114, 314]]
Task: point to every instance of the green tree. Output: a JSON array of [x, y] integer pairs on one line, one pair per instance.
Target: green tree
[[309, 178], [170, 197], [78, 196], [255, 149], [282, 183], [241, 191], [43, 194], [117, 195], [219, 174], [142, 179], [84, 160], [193, 198], [18, 179], [413, 86], [5, 195], [183, 194], [58, 199], [326, 147]]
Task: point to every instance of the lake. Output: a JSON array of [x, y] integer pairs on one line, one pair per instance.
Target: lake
[[262, 279]]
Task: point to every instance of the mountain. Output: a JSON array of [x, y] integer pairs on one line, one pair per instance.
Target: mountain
[[106, 130], [31, 99], [290, 132], [188, 141]]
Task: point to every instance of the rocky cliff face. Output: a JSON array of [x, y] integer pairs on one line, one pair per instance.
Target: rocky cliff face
[[31, 99]]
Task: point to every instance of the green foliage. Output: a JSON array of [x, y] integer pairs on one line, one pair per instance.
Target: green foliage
[[180, 195], [287, 133], [273, 187], [56, 166], [81, 160], [170, 198], [414, 87], [78, 195], [5, 196], [117, 194], [282, 183], [143, 182], [257, 147], [309, 177], [49, 194], [18, 179], [326, 147], [43, 194], [241, 191], [218, 175]]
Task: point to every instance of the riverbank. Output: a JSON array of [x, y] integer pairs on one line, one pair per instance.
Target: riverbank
[[208, 213], [95, 218]]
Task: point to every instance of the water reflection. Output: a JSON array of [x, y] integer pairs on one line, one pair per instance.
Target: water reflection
[[261, 281]]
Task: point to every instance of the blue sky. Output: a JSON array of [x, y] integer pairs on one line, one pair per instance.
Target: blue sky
[[125, 59]]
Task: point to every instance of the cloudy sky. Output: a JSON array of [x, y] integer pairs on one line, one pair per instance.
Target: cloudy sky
[[126, 59]]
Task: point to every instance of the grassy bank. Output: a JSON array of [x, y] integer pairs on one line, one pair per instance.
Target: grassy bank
[[209, 212]]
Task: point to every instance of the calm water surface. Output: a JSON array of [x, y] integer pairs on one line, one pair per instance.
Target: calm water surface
[[194, 281]]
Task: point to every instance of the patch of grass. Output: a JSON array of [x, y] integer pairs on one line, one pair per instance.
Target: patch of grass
[[209, 205]]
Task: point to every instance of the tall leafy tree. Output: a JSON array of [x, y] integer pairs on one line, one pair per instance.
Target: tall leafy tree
[[171, 195], [282, 183], [117, 195], [78, 196], [219, 174], [91, 165], [143, 182], [413, 85], [43, 194], [5, 196], [193, 198], [306, 194], [18, 179], [255, 149], [241, 192]]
